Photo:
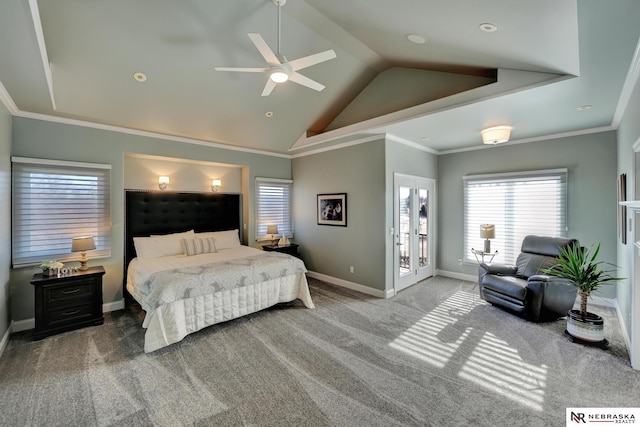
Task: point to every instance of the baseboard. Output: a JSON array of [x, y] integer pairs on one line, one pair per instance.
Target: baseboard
[[113, 306], [623, 326], [349, 285], [5, 339], [23, 325], [459, 276]]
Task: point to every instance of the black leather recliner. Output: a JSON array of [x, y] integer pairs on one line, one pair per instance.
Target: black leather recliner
[[523, 288]]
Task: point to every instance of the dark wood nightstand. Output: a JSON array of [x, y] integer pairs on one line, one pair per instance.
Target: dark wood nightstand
[[67, 302], [291, 248]]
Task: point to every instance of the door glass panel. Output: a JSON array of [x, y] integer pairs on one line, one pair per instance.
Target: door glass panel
[[423, 228], [404, 232]]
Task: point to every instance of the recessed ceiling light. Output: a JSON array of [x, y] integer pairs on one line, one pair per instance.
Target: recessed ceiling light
[[140, 77], [424, 138], [414, 38], [584, 107], [488, 28], [268, 114]]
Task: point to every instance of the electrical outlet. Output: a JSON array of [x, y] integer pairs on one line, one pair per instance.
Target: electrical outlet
[[460, 261], [351, 269]]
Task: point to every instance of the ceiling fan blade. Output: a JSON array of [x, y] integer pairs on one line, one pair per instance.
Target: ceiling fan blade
[[264, 49], [305, 81], [307, 61], [243, 70], [268, 88]]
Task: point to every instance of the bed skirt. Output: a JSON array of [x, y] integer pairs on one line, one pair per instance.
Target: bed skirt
[[171, 322]]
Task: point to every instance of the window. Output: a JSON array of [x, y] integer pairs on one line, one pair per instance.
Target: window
[[54, 201], [518, 204], [273, 206]]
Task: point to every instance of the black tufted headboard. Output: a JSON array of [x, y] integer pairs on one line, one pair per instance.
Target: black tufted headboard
[[162, 212]]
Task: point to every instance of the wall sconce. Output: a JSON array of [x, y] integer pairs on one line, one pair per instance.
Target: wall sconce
[[215, 185], [487, 231], [82, 245], [496, 135], [273, 230], [163, 181]]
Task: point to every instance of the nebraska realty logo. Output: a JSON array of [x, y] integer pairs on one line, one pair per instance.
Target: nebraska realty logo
[[578, 416]]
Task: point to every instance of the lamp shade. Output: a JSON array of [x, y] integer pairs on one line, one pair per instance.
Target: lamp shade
[[487, 231], [496, 134], [272, 229], [82, 244]]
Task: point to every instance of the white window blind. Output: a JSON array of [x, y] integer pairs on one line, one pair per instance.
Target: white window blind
[[54, 201], [518, 204], [273, 207]]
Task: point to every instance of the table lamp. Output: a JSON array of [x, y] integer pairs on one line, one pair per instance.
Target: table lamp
[[82, 245], [487, 231], [273, 230]]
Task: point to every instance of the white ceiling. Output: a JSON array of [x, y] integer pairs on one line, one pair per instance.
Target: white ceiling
[[547, 58]]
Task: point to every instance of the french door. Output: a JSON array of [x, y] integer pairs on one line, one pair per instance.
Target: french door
[[414, 209]]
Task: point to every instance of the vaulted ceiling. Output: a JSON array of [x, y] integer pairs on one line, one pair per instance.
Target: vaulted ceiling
[[76, 59]]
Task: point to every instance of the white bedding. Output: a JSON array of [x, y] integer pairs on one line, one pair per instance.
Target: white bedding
[[196, 300]]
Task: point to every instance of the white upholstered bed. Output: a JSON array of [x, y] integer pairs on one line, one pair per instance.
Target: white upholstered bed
[[186, 281]]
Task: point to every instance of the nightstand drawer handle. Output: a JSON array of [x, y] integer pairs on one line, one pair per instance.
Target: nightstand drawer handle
[[71, 313], [75, 291]]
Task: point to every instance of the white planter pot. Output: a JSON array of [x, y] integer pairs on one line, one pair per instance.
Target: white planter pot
[[589, 328]]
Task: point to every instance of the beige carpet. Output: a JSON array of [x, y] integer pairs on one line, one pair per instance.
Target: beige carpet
[[433, 355]]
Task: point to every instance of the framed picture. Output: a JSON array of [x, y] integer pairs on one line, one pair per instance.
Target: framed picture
[[332, 209], [622, 210]]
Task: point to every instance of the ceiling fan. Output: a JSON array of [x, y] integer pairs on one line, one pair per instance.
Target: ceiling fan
[[279, 69]]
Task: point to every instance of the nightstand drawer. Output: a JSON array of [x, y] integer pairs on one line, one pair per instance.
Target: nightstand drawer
[[66, 315], [60, 294]]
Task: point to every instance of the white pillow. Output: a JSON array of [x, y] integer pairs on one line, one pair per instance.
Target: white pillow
[[224, 239], [159, 246], [198, 246]]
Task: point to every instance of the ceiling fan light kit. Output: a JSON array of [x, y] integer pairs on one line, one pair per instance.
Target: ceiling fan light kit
[[279, 69]]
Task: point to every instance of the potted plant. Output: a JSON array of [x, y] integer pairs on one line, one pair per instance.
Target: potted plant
[[580, 268], [49, 267]]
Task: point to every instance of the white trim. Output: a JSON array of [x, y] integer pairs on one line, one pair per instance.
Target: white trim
[[623, 326], [144, 133], [410, 144], [633, 75], [5, 339], [23, 325], [517, 174], [33, 161], [7, 100], [46, 65], [349, 285], [456, 275], [363, 140], [279, 180], [113, 306]]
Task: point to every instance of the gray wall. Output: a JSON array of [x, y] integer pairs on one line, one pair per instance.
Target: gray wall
[[358, 171], [365, 173], [42, 139], [591, 162], [628, 135], [5, 218]]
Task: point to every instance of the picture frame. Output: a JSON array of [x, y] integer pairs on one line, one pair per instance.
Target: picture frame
[[622, 210], [332, 209]]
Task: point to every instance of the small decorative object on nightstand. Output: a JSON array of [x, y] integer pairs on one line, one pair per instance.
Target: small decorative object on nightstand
[[67, 302], [291, 248]]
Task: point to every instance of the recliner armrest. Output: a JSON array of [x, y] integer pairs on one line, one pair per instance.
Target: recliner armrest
[[549, 279], [499, 269]]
